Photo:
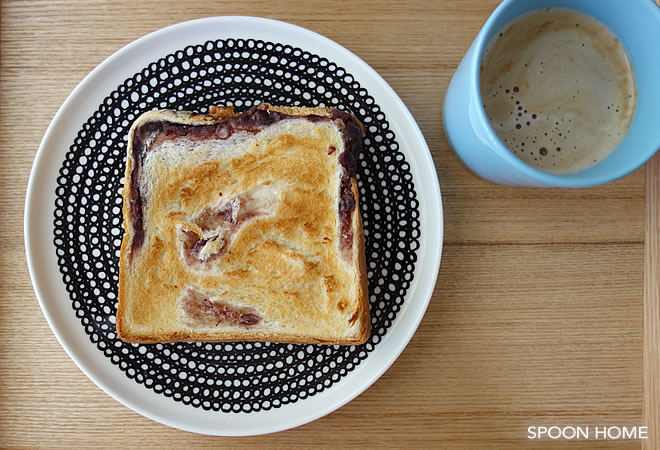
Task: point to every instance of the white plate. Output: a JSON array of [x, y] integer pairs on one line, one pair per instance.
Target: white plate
[[51, 291]]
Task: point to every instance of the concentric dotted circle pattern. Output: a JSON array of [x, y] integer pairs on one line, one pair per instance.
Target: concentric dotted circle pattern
[[229, 377]]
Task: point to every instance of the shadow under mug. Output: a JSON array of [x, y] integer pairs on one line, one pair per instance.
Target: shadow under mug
[[637, 25]]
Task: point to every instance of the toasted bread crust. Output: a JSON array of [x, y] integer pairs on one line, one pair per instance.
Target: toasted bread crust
[[140, 293]]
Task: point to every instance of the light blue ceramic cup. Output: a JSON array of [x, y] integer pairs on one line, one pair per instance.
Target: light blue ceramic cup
[[637, 25]]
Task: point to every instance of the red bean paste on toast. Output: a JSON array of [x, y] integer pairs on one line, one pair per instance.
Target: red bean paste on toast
[[201, 310], [252, 121]]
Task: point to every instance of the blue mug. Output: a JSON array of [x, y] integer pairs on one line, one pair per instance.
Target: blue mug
[[637, 25]]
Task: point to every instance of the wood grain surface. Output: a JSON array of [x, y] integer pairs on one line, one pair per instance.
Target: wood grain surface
[[538, 316], [651, 355]]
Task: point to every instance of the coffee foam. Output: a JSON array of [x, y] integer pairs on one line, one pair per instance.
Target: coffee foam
[[558, 89]]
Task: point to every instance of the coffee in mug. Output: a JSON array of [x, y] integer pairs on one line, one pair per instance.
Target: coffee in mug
[[558, 89]]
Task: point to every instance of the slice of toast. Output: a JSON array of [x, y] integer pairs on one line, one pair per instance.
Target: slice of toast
[[243, 228]]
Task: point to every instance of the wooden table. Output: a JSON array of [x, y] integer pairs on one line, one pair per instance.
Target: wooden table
[[545, 310]]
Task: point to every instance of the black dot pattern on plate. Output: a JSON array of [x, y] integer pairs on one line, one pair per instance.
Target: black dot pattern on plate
[[229, 377]]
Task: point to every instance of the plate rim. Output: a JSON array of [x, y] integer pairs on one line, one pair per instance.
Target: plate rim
[[423, 154]]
